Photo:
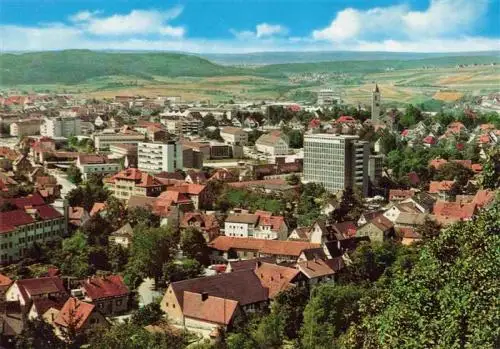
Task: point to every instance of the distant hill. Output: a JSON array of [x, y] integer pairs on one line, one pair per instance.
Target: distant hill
[[74, 66], [356, 66], [266, 58]]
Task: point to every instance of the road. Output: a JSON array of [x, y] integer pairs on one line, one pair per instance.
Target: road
[[67, 186]]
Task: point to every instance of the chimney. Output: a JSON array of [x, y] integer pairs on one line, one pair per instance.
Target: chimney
[[204, 296]]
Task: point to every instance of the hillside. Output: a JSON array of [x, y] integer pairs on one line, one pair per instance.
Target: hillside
[[75, 66], [372, 66]]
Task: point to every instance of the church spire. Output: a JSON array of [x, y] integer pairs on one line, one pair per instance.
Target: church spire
[[376, 89]]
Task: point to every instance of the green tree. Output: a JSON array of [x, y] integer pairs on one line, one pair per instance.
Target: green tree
[[454, 171], [38, 334], [290, 305], [293, 179], [490, 177], [74, 175], [117, 258], [296, 139], [97, 230], [151, 249], [429, 230], [193, 245], [147, 315], [182, 270], [87, 194], [74, 257], [411, 116], [142, 216]]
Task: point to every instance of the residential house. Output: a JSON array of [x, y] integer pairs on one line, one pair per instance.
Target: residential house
[[77, 216], [223, 175], [320, 270], [131, 182], [199, 194], [378, 229], [234, 136], [261, 225], [300, 234], [207, 224], [40, 306], [274, 143], [225, 248], [400, 194], [78, 316], [109, 294], [195, 177], [5, 283], [123, 236], [25, 291], [447, 213], [442, 190], [278, 278]]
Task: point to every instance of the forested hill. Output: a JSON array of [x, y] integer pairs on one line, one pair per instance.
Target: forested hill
[[74, 66]]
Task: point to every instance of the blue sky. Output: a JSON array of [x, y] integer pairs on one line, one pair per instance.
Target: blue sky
[[236, 26]]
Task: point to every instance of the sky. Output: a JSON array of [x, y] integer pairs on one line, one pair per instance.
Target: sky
[[243, 26]]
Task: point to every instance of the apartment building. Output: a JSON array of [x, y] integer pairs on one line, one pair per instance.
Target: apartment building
[[98, 164], [30, 221], [326, 97], [234, 135], [25, 128], [61, 126], [155, 157], [133, 182], [375, 163], [105, 140], [274, 143], [336, 161]]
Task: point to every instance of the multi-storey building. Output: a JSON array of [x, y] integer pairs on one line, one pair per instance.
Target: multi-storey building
[[375, 163], [103, 141], [274, 143], [155, 157], [336, 161], [326, 97], [25, 128], [61, 127], [133, 182], [90, 164], [30, 221], [234, 135]]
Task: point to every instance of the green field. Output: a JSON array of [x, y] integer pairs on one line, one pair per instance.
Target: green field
[[104, 75]]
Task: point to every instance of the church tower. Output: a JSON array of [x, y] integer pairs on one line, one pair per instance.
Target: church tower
[[376, 103]]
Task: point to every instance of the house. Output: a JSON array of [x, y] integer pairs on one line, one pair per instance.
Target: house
[[300, 234], [224, 175], [260, 225], [199, 194], [320, 270], [368, 216], [96, 208], [227, 247], [484, 197], [274, 143], [109, 294], [234, 136], [378, 229], [408, 235], [442, 190], [243, 287], [393, 211], [195, 177], [207, 224], [278, 278], [77, 316], [132, 181], [122, 237], [400, 194], [77, 216], [423, 201], [5, 283], [450, 212], [247, 264], [164, 204], [41, 305], [25, 291]]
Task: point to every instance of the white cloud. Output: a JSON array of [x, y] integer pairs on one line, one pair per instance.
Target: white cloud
[[442, 17], [262, 30], [136, 22], [265, 29]]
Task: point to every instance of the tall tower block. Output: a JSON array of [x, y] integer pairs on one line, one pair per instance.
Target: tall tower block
[[376, 103]]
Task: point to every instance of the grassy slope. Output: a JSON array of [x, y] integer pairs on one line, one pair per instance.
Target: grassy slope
[[276, 70], [75, 66]]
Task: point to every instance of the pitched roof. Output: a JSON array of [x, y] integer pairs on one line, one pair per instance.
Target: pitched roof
[[9, 220], [5, 281], [105, 287], [74, 313], [483, 197], [97, 207], [245, 218], [40, 286], [141, 179], [190, 189], [43, 304], [21, 202], [249, 264], [318, 267], [270, 139], [242, 286], [437, 163], [382, 223], [302, 232], [435, 187], [275, 277], [209, 308], [272, 247], [232, 130], [126, 231], [400, 194], [454, 210], [411, 218], [141, 201]]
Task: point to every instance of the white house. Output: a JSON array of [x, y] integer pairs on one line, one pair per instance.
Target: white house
[[274, 143], [234, 136]]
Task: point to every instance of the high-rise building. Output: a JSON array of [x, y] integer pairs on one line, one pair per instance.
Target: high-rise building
[[375, 163], [376, 103], [155, 157], [336, 161], [61, 126]]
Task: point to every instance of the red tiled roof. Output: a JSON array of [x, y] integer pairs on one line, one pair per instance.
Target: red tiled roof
[[105, 287], [318, 267], [436, 187], [456, 210], [97, 207], [212, 309], [275, 277], [74, 313], [40, 286], [48, 212], [400, 193], [437, 163], [22, 202], [141, 179], [272, 247], [5, 281], [345, 118], [429, 140], [483, 197], [190, 189], [92, 159]]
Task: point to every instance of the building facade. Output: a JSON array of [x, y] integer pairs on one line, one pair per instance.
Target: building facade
[[375, 164], [61, 127], [336, 161], [234, 136], [104, 141], [376, 103], [155, 157], [25, 128], [326, 97]]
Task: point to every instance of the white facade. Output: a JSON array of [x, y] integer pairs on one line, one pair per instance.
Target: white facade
[[326, 97], [278, 147], [61, 127], [240, 230], [159, 157], [336, 161], [106, 168], [105, 140], [234, 136]]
